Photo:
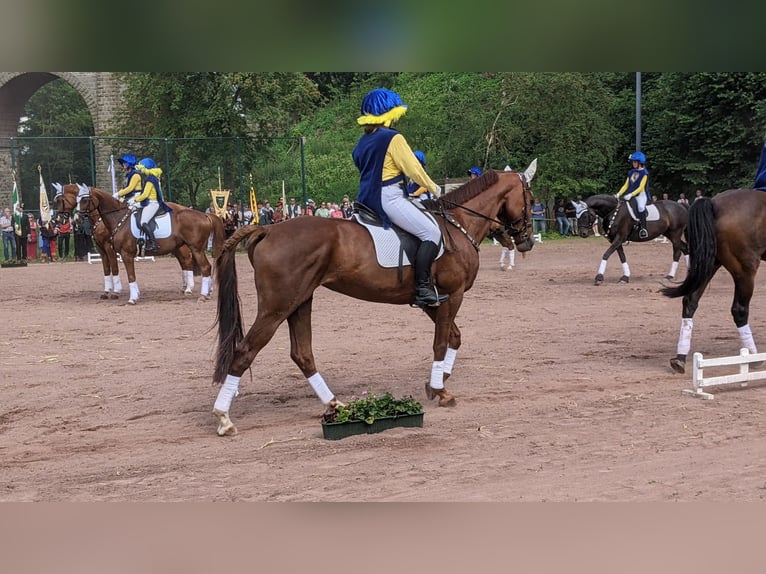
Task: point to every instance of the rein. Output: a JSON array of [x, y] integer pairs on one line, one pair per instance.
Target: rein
[[510, 228]]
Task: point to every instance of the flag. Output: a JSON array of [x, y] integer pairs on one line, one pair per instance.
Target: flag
[[220, 202], [16, 210], [45, 208], [114, 177], [284, 199], [253, 203]]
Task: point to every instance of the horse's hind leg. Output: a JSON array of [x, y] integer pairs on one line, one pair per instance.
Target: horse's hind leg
[[200, 258], [257, 337], [740, 309], [303, 356], [690, 304], [678, 248], [446, 334]]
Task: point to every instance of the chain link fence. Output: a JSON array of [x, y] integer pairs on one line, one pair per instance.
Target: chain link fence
[[191, 166]]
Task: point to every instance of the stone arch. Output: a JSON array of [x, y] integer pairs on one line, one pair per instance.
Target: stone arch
[[99, 90]]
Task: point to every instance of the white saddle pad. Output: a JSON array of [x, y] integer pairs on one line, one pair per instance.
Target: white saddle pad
[[387, 244], [164, 227], [652, 213]]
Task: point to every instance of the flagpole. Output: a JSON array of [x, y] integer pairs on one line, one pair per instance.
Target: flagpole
[[114, 177]]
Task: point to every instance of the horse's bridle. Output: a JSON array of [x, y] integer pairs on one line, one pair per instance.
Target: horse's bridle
[[519, 234]]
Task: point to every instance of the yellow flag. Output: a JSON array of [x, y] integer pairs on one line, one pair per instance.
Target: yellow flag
[[220, 201], [254, 204]]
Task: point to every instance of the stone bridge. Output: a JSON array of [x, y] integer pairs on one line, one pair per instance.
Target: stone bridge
[[101, 93]]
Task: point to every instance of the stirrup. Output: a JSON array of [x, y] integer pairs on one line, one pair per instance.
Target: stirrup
[[643, 234]]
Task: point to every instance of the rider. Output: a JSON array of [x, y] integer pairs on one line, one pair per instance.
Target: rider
[[474, 172], [383, 158], [760, 172], [636, 188], [133, 181], [150, 198], [415, 190]]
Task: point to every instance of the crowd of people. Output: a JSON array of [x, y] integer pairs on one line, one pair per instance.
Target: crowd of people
[[28, 238]]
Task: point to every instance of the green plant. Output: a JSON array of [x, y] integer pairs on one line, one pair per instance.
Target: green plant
[[369, 407]]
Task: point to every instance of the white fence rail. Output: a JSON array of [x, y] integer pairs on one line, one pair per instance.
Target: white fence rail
[[96, 257], [744, 360]]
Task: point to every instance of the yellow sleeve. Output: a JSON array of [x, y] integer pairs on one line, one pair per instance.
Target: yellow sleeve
[[401, 159], [147, 193], [641, 187], [133, 185], [624, 187]]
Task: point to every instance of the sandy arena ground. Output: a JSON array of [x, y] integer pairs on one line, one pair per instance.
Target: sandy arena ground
[[564, 392]]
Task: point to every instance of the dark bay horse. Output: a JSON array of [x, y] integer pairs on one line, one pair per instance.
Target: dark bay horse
[[66, 203], [619, 227], [728, 230], [339, 255], [190, 229]]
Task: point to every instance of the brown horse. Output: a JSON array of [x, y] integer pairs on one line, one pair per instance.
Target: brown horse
[[66, 202], [728, 230], [339, 255], [190, 230]]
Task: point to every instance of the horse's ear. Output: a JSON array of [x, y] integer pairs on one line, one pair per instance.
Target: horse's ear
[[530, 172]]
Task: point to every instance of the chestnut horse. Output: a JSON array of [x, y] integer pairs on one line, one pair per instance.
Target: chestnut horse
[[190, 229], [619, 227], [66, 202], [728, 230], [339, 255]]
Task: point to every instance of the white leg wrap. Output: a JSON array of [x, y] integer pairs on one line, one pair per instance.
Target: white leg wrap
[[189, 280], [673, 269], [437, 375], [746, 338], [449, 360], [685, 337], [602, 267], [229, 390], [320, 388], [117, 283], [625, 269], [134, 292], [205, 289], [511, 257], [108, 283], [686, 260]]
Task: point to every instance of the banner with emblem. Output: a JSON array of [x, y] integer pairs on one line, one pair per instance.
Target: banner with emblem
[[45, 208], [220, 201], [254, 203], [17, 214]]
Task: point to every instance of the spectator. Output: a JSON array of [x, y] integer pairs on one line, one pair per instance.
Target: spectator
[[682, 200], [83, 242], [48, 241], [538, 217], [293, 209], [32, 237], [562, 220], [310, 207], [278, 216], [323, 210], [22, 233], [697, 195], [9, 237], [264, 213], [346, 208]]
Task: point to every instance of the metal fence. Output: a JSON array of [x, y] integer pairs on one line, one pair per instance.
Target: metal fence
[[191, 166]]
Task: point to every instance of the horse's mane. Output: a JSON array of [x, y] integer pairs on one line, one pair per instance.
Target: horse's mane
[[465, 192]]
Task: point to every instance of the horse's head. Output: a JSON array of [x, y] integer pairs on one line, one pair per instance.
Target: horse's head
[[585, 222], [86, 201], [516, 209]]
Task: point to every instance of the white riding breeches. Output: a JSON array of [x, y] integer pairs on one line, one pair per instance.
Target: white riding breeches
[[404, 214], [148, 211]]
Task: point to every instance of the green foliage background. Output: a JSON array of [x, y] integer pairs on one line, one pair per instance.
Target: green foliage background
[[699, 130]]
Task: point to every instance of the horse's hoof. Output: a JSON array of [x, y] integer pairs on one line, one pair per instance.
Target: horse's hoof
[[598, 280], [430, 394], [225, 426], [114, 296], [188, 292], [678, 365], [669, 277], [202, 299], [104, 296], [131, 301], [447, 400], [624, 279], [446, 376]]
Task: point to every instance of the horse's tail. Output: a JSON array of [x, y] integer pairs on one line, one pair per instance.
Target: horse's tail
[[219, 235], [229, 314], [701, 239]]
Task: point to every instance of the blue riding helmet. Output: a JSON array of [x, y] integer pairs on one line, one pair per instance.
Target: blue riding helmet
[[128, 159], [148, 163], [475, 171], [380, 101], [637, 156], [421, 157]]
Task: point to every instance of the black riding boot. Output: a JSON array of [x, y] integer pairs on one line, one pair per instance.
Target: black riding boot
[[642, 233], [425, 293], [151, 243]]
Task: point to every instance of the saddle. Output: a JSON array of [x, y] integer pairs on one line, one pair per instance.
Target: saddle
[[652, 213], [160, 224], [394, 247]]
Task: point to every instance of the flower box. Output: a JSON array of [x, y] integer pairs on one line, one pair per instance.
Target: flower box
[[336, 431], [371, 414]]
